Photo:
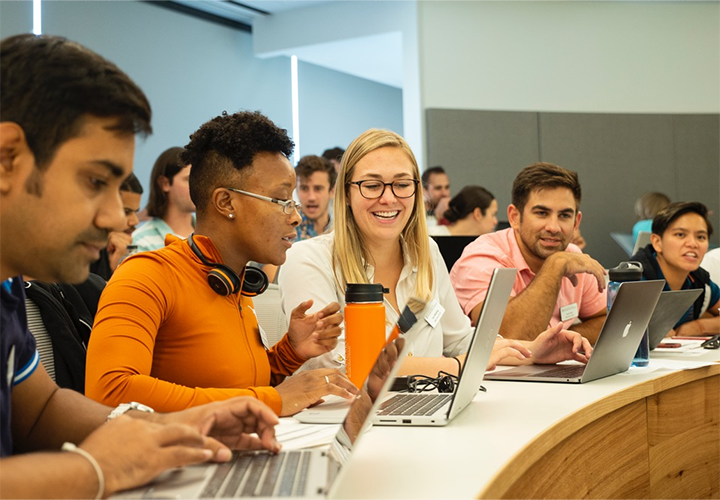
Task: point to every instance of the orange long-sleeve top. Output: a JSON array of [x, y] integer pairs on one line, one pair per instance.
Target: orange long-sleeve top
[[164, 338]]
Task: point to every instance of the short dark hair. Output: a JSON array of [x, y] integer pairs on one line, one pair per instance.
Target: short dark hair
[[333, 154], [310, 164], [132, 185], [431, 171], [168, 164], [229, 143], [49, 85], [541, 176], [675, 210], [466, 201]]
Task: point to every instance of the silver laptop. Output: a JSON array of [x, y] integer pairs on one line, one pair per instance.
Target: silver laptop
[[435, 409], [305, 473], [617, 343], [670, 308]]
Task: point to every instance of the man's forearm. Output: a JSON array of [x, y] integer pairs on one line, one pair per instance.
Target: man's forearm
[[529, 313], [589, 328], [64, 475], [67, 416]]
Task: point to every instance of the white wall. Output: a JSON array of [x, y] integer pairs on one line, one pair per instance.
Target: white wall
[[335, 108], [15, 18], [628, 57], [190, 69], [298, 30]]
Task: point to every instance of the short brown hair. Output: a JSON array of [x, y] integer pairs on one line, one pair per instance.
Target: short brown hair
[[310, 164], [540, 176]]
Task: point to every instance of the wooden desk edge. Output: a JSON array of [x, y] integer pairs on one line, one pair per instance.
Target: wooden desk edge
[[572, 423]]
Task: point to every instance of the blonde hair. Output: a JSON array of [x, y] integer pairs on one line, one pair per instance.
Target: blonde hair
[[349, 250]]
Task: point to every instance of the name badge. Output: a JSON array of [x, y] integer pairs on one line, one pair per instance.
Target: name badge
[[435, 312], [570, 311]]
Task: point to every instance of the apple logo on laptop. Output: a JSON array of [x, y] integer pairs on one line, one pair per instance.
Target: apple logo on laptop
[[627, 329]]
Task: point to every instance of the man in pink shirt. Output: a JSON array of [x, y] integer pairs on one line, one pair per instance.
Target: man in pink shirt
[[556, 282]]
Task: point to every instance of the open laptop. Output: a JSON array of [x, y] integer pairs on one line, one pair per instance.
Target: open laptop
[[436, 409], [617, 343], [305, 473], [670, 308]]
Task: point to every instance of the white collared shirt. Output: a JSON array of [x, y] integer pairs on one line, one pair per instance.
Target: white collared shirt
[[308, 274]]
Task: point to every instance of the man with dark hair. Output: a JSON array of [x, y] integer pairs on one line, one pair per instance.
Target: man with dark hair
[[170, 208], [436, 186], [117, 249], [556, 282], [189, 335], [334, 156], [68, 120], [316, 187], [679, 241]]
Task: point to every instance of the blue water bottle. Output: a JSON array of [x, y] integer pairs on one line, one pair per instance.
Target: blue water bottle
[[629, 271]]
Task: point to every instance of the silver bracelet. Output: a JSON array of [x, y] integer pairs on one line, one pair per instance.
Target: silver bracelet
[[100, 476]]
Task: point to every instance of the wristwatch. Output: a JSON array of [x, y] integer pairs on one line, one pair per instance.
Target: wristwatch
[[126, 407]]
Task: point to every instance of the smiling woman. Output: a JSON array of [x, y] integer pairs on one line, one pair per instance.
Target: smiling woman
[[680, 234], [380, 236]]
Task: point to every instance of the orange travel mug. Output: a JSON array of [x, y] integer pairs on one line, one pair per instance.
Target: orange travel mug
[[364, 329]]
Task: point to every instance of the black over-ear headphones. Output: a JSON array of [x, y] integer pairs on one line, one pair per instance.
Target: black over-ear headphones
[[225, 281]]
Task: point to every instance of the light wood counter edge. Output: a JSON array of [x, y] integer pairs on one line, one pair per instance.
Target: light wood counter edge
[[572, 423]]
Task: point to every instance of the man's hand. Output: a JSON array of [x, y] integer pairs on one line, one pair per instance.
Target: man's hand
[[570, 264], [555, 345], [233, 423], [307, 387], [117, 247], [314, 334], [132, 451]]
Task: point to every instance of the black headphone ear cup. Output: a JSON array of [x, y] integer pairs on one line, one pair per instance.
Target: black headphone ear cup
[[255, 281], [223, 280]]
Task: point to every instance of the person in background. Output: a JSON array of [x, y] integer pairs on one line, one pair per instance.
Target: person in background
[[380, 236], [646, 208], [334, 156], [679, 241], [130, 191], [170, 208], [68, 120], [471, 212], [175, 329], [556, 282], [435, 185], [315, 190]]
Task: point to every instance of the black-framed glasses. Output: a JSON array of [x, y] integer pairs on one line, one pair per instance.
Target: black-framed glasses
[[372, 189], [288, 205]]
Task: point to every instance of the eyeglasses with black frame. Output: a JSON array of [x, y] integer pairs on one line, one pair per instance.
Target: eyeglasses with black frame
[[372, 189], [288, 205]]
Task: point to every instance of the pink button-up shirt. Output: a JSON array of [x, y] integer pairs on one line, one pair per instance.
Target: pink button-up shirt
[[470, 277]]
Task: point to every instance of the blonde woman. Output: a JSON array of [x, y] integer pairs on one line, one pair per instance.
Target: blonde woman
[[381, 236]]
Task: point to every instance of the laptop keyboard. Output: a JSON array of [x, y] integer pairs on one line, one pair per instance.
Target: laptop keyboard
[[573, 371], [414, 404], [263, 474]]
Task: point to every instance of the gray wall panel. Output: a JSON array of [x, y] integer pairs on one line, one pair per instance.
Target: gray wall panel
[[618, 157], [482, 147], [697, 158]]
